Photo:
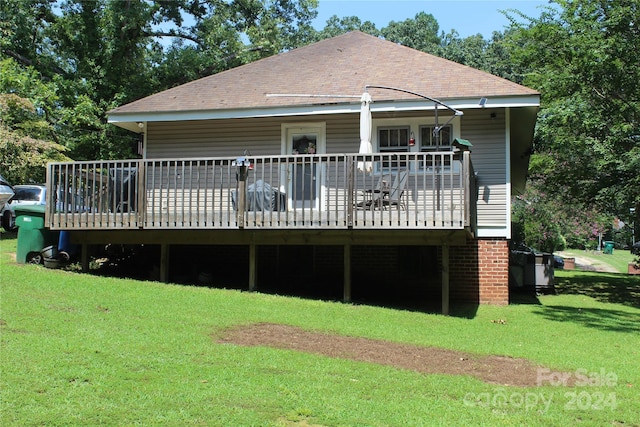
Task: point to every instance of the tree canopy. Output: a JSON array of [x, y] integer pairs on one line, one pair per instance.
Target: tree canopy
[[582, 56], [98, 54]]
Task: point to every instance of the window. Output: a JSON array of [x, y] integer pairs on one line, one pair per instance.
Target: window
[[393, 140], [428, 143]]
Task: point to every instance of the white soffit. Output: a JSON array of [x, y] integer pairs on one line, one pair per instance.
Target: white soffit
[[124, 119]]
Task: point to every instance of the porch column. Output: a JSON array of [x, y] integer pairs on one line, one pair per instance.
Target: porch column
[[253, 263], [164, 263], [445, 279], [347, 273]]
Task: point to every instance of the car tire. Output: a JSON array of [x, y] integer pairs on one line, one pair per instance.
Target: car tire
[[7, 221]]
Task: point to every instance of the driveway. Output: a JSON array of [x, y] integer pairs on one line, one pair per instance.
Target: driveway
[[587, 264]]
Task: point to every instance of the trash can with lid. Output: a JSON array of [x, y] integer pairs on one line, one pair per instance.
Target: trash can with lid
[[544, 273], [32, 234], [608, 247]]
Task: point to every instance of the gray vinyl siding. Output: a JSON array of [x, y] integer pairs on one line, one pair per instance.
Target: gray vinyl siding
[[343, 134], [216, 138], [209, 138], [262, 137], [490, 163]]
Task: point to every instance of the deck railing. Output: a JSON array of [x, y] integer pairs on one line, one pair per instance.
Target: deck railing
[[434, 190]]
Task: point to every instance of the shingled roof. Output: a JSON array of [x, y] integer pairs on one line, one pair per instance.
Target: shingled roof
[[341, 65]]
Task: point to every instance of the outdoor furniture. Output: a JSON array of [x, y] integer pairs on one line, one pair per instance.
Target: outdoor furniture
[[393, 196], [373, 195]]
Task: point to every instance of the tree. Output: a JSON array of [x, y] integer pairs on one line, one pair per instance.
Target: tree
[[582, 56], [27, 138], [99, 54], [336, 26], [471, 51], [419, 33]]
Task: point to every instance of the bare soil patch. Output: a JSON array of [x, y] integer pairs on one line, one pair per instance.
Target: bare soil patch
[[429, 360]]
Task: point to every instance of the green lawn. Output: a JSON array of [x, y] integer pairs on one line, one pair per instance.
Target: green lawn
[[84, 350]]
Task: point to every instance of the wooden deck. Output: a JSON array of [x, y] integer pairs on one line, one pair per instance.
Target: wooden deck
[[302, 192]]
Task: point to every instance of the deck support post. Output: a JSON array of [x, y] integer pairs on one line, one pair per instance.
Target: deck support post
[[445, 279], [164, 263], [347, 273], [253, 265], [84, 257]]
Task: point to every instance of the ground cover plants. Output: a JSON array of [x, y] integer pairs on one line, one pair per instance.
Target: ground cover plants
[[85, 350]]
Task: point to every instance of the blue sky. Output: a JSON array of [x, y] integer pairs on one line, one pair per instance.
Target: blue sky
[[468, 17]]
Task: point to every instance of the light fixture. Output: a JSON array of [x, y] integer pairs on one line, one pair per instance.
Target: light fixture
[[140, 125], [483, 102], [412, 140]]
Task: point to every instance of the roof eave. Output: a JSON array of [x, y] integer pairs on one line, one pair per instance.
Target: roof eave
[[131, 120]]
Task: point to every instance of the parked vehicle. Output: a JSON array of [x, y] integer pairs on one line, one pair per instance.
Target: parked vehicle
[[558, 262], [6, 192], [28, 194]]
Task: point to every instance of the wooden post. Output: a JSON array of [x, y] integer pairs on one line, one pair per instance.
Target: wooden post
[[84, 258], [466, 162], [141, 193], [350, 187], [347, 273], [164, 263], [445, 279], [253, 264], [242, 192], [50, 200]]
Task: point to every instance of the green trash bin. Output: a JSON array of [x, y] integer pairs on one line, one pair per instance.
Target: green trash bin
[[33, 237], [608, 247]]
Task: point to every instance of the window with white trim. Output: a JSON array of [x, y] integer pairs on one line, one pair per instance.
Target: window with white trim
[[429, 143], [393, 139]]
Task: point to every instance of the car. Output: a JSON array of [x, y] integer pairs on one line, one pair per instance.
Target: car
[[6, 192], [36, 194], [24, 194]]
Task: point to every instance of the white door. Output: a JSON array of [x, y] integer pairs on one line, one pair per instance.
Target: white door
[[303, 175]]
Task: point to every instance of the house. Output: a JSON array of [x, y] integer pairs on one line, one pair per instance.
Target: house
[[258, 173]]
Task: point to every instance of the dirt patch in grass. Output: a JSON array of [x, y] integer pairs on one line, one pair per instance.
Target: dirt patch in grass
[[492, 369]]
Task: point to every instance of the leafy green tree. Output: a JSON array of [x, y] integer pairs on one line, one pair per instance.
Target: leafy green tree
[[471, 51], [336, 26], [27, 138], [419, 33], [99, 54], [23, 159], [533, 222], [547, 222], [582, 56]]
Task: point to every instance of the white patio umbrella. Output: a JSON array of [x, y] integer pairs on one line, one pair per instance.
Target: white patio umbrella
[[365, 132]]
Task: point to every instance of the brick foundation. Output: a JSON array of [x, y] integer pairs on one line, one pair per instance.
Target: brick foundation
[[480, 272]]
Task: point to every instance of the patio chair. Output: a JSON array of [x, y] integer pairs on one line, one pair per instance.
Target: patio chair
[[395, 192], [373, 196]]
